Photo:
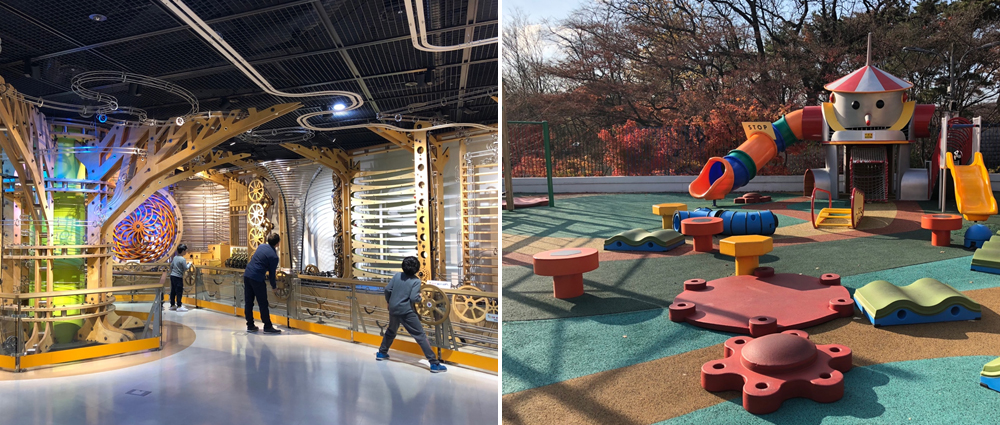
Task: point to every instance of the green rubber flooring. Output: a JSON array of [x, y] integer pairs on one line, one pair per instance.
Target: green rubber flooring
[[631, 285], [932, 391]]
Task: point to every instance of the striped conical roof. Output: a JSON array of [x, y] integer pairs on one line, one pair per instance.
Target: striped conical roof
[[868, 79]]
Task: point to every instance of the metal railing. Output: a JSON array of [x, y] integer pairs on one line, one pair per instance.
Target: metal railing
[[45, 328]]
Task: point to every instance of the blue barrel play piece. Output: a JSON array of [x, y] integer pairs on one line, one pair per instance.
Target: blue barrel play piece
[[699, 212], [762, 223]]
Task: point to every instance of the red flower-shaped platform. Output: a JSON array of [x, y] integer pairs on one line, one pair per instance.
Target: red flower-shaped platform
[[777, 367], [763, 303]]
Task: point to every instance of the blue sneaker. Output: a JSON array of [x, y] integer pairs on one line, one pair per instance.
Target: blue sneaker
[[379, 356], [436, 368]]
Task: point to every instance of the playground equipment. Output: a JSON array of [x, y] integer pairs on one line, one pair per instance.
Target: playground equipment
[[762, 223], [838, 217], [666, 212], [973, 193], [566, 266], [866, 113], [990, 376], [660, 240], [925, 301], [762, 303], [747, 249], [702, 229], [777, 367], [752, 198], [941, 226], [976, 236], [987, 258]]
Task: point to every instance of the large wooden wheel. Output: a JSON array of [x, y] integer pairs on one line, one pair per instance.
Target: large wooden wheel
[[148, 233], [255, 191], [470, 308], [256, 237], [256, 215], [433, 307], [311, 270]]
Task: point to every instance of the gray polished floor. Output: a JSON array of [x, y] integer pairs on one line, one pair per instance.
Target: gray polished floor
[[229, 377]]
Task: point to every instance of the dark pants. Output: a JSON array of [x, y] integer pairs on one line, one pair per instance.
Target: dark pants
[[256, 289], [411, 323], [176, 290]]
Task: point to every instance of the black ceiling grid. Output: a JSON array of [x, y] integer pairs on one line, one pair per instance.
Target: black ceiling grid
[[46, 43]]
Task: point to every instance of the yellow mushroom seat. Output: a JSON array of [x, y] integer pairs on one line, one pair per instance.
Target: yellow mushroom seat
[[747, 249]]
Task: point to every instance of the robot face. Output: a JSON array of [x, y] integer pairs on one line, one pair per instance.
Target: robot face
[[867, 110]]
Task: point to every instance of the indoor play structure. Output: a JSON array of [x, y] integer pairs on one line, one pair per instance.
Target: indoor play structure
[[93, 212], [868, 117]]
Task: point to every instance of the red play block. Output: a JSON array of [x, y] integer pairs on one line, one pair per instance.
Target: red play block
[[701, 229], [777, 367], [566, 266], [941, 226], [763, 303]]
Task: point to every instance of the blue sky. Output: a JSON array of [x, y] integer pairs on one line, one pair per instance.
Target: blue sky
[[538, 10]]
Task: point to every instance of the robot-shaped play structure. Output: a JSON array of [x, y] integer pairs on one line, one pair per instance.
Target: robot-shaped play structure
[[868, 121]]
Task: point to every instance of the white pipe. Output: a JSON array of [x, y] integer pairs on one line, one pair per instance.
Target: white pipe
[[212, 38], [303, 121], [424, 44]]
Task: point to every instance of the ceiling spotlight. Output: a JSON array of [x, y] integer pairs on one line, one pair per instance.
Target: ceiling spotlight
[[134, 89], [97, 17], [411, 83], [226, 103], [232, 143], [339, 107], [288, 168], [179, 120]]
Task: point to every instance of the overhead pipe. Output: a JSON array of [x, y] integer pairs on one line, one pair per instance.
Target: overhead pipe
[[222, 47], [420, 26]]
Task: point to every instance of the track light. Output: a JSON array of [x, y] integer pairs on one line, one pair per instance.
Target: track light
[[226, 103], [339, 107], [134, 89]]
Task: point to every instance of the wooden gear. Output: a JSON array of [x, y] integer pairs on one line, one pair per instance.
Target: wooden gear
[[255, 191], [471, 308], [433, 307]]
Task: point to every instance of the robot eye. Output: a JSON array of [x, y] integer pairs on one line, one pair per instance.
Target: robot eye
[[855, 105], [879, 104]]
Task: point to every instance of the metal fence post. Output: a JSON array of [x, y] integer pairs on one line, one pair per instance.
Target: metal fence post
[[548, 161], [508, 173]]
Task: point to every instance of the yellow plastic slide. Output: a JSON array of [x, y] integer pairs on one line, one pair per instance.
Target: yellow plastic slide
[[973, 193]]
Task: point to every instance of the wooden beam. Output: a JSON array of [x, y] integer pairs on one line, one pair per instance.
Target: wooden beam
[[395, 137], [422, 184], [199, 136]]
